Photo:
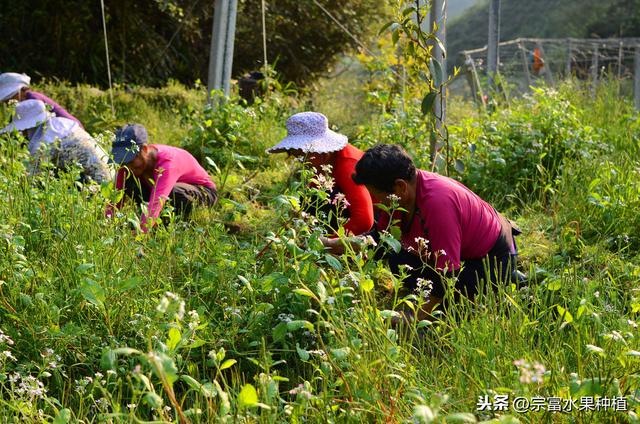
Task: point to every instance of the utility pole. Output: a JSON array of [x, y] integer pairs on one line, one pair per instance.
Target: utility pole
[[222, 45], [437, 25], [493, 40], [636, 77]]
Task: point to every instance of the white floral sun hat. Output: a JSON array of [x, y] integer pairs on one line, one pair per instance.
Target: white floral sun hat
[[29, 114], [310, 133], [11, 83]]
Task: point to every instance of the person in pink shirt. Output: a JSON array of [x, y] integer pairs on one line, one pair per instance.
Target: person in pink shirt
[[446, 229], [155, 173]]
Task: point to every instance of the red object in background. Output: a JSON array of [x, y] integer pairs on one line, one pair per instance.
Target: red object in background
[[538, 62]]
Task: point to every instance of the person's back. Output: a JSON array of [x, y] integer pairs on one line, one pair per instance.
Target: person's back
[[156, 172], [63, 140]]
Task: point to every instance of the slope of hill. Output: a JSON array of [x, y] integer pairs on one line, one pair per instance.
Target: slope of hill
[[541, 18]]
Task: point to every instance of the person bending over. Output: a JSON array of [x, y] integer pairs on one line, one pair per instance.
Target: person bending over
[[15, 86], [154, 173], [60, 140], [309, 137], [446, 229]]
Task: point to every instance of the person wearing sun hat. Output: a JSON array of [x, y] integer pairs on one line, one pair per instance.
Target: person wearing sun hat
[[154, 173], [309, 137], [59, 139], [14, 86]]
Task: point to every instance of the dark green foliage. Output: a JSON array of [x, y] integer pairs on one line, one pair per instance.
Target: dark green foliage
[[151, 41]]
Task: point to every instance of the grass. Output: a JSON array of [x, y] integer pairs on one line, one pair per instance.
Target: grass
[[205, 322]]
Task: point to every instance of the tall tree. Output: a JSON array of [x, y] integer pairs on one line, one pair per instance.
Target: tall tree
[[154, 40]]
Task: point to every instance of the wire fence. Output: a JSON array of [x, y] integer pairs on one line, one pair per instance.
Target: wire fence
[[529, 62]]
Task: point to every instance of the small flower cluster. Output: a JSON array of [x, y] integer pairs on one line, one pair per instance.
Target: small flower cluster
[[5, 339], [340, 200], [530, 372], [81, 385], [322, 179], [194, 320], [424, 288], [49, 355], [166, 302], [286, 317], [302, 391], [28, 385]]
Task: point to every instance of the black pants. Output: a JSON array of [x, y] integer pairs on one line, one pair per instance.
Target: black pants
[[183, 196], [498, 267]]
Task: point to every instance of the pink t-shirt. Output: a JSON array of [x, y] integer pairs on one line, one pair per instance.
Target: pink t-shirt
[[454, 222], [175, 165]]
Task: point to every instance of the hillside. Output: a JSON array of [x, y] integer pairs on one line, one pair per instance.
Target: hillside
[[542, 18]]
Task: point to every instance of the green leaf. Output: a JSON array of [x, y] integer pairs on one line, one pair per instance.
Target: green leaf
[[225, 405], [303, 354], [427, 102], [208, 390], [386, 314], [304, 292], [383, 29], [167, 368], [341, 353], [554, 285], [436, 72], [298, 324], [567, 317], [93, 293], [395, 36], [367, 285], [191, 382], [153, 400], [247, 397], [459, 165], [108, 360], [408, 11], [596, 349], [333, 262], [129, 283], [227, 364], [63, 416], [83, 268], [174, 338], [125, 351]]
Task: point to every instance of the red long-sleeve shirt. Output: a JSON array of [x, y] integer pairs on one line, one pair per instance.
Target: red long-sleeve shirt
[[360, 204]]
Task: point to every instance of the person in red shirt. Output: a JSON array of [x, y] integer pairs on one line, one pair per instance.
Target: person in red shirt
[[309, 137]]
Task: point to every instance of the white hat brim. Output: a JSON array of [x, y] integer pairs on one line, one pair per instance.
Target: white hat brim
[[328, 142], [25, 123], [7, 91]]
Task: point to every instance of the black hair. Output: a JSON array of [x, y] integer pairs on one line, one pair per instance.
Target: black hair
[[382, 165]]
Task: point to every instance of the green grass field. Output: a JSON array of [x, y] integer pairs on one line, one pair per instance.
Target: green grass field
[[240, 316]]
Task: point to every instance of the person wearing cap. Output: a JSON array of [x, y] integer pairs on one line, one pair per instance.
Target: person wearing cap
[[64, 140], [309, 137], [154, 173], [446, 229], [14, 86]]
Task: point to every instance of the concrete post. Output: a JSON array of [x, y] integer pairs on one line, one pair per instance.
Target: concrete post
[[228, 46], [493, 40], [636, 77], [216, 52]]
